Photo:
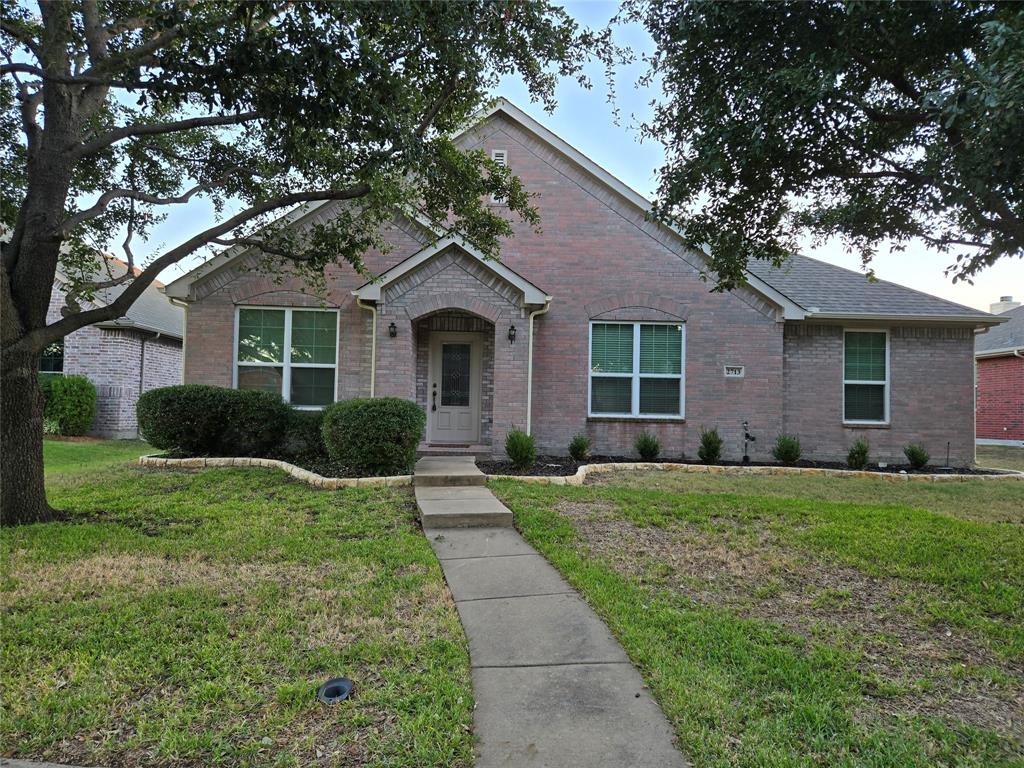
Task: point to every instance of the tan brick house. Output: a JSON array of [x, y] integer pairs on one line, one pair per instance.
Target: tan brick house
[[600, 324]]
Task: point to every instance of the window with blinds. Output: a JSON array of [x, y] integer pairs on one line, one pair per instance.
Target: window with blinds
[[866, 377], [292, 352], [636, 369]]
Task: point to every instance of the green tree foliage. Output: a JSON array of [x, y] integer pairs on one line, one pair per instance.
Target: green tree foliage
[[873, 121], [113, 112]]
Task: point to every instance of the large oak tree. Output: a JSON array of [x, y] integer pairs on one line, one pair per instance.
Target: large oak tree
[[872, 121], [113, 110]]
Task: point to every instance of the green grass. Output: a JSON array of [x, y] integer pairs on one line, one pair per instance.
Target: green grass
[[716, 591], [188, 618], [1001, 456]]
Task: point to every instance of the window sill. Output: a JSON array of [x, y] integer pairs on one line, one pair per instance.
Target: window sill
[[644, 419], [866, 425]]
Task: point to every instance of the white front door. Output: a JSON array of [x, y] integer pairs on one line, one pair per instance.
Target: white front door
[[453, 391]]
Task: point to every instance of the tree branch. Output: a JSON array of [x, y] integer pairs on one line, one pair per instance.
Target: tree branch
[[132, 194], [154, 129], [41, 337], [20, 34]]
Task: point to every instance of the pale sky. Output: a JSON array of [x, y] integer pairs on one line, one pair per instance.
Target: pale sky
[[585, 119]]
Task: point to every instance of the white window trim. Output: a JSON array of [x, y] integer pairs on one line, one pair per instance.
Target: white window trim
[[286, 365], [888, 375], [635, 376]]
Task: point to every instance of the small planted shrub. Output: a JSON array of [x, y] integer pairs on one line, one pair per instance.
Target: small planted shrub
[[857, 458], [374, 435], [787, 449], [710, 449], [520, 449], [579, 447], [916, 455], [647, 446], [70, 404]]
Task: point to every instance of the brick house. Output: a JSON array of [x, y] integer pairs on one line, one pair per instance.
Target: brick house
[[1000, 377], [123, 358], [601, 324]]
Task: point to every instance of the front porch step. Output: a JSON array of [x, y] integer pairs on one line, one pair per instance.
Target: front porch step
[[435, 471], [461, 507], [428, 449]]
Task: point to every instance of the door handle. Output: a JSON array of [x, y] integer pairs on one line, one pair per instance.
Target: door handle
[[433, 401]]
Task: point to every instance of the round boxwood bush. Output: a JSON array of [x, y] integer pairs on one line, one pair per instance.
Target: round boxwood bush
[[857, 458], [70, 404], [916, 455], [579, 447], [374, 436]]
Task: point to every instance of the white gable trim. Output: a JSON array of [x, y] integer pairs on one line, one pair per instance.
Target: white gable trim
[[374, 290]]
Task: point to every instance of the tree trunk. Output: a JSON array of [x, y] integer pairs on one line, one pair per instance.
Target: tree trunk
[[22, 493]]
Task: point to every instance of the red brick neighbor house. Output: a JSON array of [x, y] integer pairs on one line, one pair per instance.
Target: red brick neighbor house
[[1000, 395], [601, 324], [123, 358]]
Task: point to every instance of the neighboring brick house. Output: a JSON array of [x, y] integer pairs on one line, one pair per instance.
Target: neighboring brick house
[[1000, 395], [122, 358], [601, 324]]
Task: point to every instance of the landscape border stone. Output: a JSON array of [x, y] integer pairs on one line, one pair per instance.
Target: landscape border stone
[[581, 475]]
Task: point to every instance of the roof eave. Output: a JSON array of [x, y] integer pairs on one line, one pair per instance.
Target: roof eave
[[1002, 352], [976, 320], [130, 325]]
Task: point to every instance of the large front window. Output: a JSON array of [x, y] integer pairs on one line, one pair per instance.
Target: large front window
[[866, 377], [289, 351], [636, 369]]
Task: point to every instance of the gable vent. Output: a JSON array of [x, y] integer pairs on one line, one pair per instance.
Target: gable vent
[[499, 156]]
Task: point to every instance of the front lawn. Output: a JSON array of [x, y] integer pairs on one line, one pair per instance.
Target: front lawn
[[806, 621], [1002, 456], [187, 619]]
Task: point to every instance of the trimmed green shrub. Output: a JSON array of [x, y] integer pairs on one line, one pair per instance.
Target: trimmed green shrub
[[186, 417], [647, 446], [916, 455], [520, 449], [857, 458], [374, 435], [710, 449], [254, 422], [787, 449], [303, 435], [579, 447], [70, 404]]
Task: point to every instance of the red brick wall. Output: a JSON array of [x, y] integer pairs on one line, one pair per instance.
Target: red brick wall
[[930, 398], [1001, 398], [122, 364]]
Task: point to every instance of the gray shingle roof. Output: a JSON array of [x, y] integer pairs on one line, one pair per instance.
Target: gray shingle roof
[[1006, 336], [822, 288], [152, 311]]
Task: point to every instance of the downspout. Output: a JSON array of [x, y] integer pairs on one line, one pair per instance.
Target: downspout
[[184, 332], [529, 366], [373, 343]]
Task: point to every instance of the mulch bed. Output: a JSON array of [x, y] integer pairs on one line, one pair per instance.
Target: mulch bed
[[565, 466]]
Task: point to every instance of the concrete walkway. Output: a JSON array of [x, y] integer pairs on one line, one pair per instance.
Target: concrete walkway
[[553, 688]]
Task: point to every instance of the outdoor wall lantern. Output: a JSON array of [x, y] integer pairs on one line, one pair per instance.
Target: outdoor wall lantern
[[392, 330], [511, 334]]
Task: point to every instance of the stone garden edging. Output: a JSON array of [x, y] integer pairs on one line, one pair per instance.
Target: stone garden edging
[[582, 473], [591, 469], [318, 481]]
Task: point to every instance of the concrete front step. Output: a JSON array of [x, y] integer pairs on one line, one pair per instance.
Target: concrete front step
[[460, 507], [447, 471]]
